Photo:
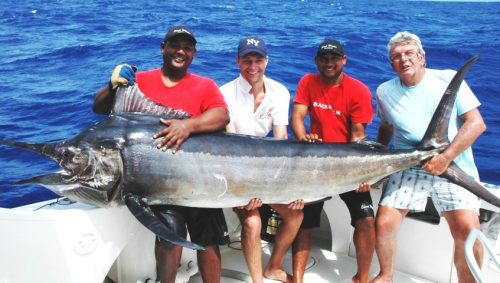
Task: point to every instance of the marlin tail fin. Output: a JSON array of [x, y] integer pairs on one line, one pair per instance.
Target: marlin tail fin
[[459, 177], [436, 135]]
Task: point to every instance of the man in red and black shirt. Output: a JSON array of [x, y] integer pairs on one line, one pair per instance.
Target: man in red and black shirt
[[339, 107]]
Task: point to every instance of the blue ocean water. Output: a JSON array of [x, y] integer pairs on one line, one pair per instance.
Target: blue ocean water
[[56, 54]]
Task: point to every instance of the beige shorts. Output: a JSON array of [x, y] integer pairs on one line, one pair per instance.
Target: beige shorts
[[410, 189]]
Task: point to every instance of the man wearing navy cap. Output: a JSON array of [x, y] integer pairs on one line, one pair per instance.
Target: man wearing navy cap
[[258, 105], [339, 107], [173, 86]]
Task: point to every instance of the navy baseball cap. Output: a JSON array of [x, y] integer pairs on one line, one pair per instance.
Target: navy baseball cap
[[330, 46], [179, 30], [252, 44]]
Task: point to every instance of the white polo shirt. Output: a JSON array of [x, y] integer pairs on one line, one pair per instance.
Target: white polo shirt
[[273, 110]]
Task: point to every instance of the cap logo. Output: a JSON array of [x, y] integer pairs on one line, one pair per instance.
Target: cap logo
[[252, 41], [181, 31], [328, 47]]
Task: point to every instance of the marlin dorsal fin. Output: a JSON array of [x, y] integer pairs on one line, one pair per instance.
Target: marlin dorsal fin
[[131, 99], [437, 132]]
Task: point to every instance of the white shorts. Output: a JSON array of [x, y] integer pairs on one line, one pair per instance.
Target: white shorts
[[410, 188]]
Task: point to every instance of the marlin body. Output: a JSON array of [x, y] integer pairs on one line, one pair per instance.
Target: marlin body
[[118, 156], [116, 161]]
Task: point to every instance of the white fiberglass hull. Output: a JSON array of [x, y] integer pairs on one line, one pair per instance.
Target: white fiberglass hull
[[73, 243]]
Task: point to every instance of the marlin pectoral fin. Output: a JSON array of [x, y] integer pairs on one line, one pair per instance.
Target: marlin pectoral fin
[[459, 177], [145, 215]]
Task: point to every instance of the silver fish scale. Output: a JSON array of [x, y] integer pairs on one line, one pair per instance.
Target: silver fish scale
[[206, 180]]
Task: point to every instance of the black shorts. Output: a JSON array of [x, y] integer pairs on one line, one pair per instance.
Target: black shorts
[[312, 215], [206, 226], [360, 205]]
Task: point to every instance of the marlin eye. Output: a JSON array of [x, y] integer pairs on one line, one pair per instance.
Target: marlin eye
[[66, 154]]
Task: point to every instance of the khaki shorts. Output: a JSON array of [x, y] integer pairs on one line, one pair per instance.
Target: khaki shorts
[[410, 188]]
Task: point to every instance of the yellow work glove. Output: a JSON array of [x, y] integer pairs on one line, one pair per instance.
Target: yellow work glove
[[123, 75]]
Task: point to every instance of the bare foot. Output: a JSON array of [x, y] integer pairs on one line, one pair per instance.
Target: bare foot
[[380, 279], [360, 279], [278, 275]]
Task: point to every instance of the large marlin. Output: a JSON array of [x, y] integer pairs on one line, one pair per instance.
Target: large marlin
[[116, 161]]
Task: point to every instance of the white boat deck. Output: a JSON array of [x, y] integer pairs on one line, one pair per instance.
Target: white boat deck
[[324, 267], [77, 243]]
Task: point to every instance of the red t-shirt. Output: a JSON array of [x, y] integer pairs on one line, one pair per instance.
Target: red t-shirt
[[193, 94], [332, 109]]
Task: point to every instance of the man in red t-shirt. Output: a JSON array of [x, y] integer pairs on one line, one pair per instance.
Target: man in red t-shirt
[[339, 108], [173, 86]]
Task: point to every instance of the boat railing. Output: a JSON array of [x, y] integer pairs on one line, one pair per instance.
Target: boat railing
[[469, 254]]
